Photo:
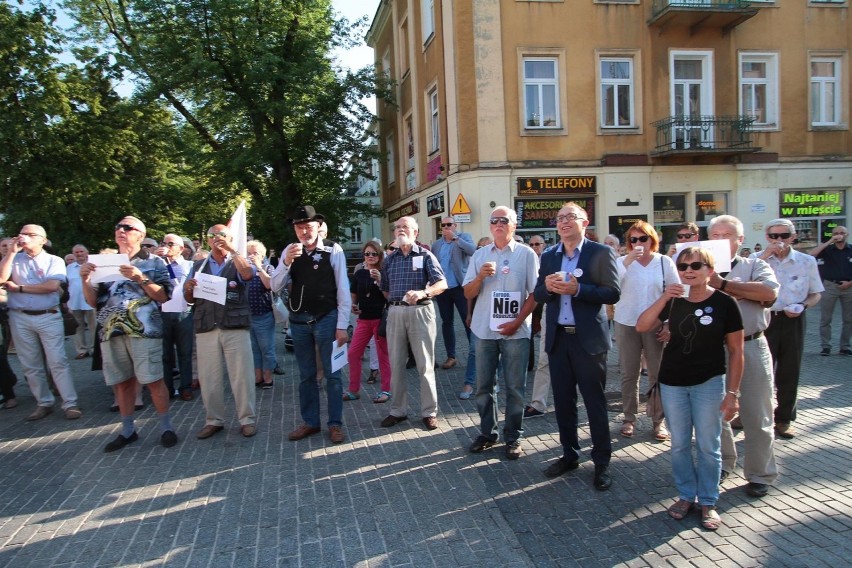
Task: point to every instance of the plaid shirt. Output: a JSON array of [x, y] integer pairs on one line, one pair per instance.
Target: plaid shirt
[[399, 275]]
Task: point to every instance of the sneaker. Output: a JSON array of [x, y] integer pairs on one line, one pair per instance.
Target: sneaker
[[481, 443], [847, 352], [513, 450], [466, 393], [723, 476], [530, 412], [825, 352], [168, 439]]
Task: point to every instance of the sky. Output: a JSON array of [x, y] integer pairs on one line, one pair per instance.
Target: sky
[[361, 56]]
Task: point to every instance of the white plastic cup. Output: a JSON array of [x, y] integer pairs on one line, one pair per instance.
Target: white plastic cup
[[686, 288], [562, 274], [492, 264]]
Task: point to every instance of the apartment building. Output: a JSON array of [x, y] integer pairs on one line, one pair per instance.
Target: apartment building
[[661, 110]]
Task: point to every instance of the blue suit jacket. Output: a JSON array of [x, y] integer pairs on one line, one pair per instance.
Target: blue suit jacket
[[462, 249], [598, 286]]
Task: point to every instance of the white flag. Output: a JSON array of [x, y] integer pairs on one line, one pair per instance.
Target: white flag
[[237, 224]]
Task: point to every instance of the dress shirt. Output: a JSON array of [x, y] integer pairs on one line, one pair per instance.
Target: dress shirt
[[38, 269], [798, 276]]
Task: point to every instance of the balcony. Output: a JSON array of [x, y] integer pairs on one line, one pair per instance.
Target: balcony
[[695, 14], [704, 135]]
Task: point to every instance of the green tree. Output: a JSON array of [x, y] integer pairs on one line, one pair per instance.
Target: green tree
[[255, 81]]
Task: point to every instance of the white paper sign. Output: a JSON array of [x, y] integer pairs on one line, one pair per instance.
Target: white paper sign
[[417, 263], [505, 306], [106, 267], [177, 303], [210, 287], [720, 249], [339, 357]]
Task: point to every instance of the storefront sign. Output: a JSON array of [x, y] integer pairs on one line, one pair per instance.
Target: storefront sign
[[558, 185], [827, 203], [669, 209], [709, 205], [433, 168], [404, 210], [618, 224], [435, 204], [541, 213]]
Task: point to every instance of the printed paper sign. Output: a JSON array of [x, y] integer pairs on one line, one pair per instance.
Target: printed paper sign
[[339, 356], [720, 249], [106, 267], [210, 287], [505, 306]]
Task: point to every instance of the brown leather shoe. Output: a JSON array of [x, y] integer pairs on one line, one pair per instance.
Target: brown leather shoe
[[186, 395], [248, 430], [81, 356], [39, 413], [303, 431], [208, 431], [335, 434], [430, 422], [449, 363]]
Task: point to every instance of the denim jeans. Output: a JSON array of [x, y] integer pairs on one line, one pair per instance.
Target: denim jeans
[[263, 341], [178, 334], [454, 297], [514, 356], [696, 410], [308, 333]]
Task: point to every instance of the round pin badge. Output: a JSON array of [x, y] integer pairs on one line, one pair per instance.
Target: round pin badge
[[578, 272], [699, 312], [232, 284], [505, 270], [708, 310], [706, 320]]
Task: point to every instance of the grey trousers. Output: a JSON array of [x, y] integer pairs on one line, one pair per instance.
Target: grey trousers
[[830, 297], [756, 407], [415, 326]]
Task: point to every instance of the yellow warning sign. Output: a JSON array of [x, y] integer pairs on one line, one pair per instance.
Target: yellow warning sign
[[460, 207]]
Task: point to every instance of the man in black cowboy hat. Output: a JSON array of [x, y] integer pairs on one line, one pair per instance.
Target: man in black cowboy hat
[[319, 304]]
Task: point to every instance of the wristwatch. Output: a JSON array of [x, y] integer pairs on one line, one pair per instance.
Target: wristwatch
[[144, 281], [428, 295]]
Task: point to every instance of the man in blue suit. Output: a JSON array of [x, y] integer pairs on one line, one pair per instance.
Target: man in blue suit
[[577, 279], [453, 251]]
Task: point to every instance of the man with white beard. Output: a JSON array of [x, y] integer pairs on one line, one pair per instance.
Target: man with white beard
[[411, 277]]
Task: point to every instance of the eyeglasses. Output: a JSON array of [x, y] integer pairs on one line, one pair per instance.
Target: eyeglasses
[[499, 220], [774, 236], [149, 246], [685, 235], [401, 227], [642, 239], [170, 245], [31, 235], [445, 225], [217, 234], [568, 217], [127, 228], [682, 266], [370, 253]]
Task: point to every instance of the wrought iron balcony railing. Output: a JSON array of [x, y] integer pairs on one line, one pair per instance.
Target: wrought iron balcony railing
[[660, 5], [724, 14], [704, 134]]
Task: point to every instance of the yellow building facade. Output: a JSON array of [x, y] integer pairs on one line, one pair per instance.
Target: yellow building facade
[[661, 110]]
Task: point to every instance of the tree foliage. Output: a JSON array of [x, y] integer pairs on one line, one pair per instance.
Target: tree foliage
[[255, 82]]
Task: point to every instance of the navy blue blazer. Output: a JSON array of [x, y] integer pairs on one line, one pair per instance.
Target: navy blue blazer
[[598, 286]]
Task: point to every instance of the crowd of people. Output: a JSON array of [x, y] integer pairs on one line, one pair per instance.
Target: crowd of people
[[721, 350]]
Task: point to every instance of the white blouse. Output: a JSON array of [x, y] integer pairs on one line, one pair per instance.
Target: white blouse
[[641, 286]]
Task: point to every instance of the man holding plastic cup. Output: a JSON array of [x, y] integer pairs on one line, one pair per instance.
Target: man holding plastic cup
[[801, 288]]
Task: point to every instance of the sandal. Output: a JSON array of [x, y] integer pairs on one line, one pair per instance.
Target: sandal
[[351, 396], [627, 429], [710, 519], [383, 396], [374, 373], [680, 509], [661, 434]]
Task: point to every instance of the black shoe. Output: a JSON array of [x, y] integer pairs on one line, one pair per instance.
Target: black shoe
[[168, 439], [530, 412], [825, 352], [603, 481], [481, 443], [561, 466], [847, 352], [757, 489], [139, 407], [411, 363], [120, 442], [513, 450], [277, 370], [723, 476]]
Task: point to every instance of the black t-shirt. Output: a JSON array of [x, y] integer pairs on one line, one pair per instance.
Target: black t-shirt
[[696, 351], [371, 300]]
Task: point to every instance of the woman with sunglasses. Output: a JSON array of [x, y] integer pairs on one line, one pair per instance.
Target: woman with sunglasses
[[368, 302], [698, 390], [643, 274]]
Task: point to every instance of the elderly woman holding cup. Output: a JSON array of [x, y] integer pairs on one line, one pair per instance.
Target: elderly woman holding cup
[[698, 390], [643, 274]]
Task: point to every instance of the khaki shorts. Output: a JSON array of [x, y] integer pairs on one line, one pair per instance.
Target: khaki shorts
[[125, 357]]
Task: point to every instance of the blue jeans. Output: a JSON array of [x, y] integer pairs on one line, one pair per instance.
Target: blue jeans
[[178, 335], [696, 409], [309, 334], [263, 341], [513, 353], [454, 297]]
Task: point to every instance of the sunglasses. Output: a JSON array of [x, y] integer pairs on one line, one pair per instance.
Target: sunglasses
[[682, 266], [568, 217], [445, 225], [392, 248], [499, 220], [774, 236], [219, 234], [642, 239], [536, 244], [369, 253], [685, 235], [127, 228]]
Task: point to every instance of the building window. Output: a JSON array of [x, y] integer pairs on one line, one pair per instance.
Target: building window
[[403, 49], [541, 93], [355, 235], [434, 126], [391, 152], [825, 91], [427, 14], [617, 99], [759, 88]]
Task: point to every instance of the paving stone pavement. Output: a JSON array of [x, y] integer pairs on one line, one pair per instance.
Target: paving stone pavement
[[401, 496]]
